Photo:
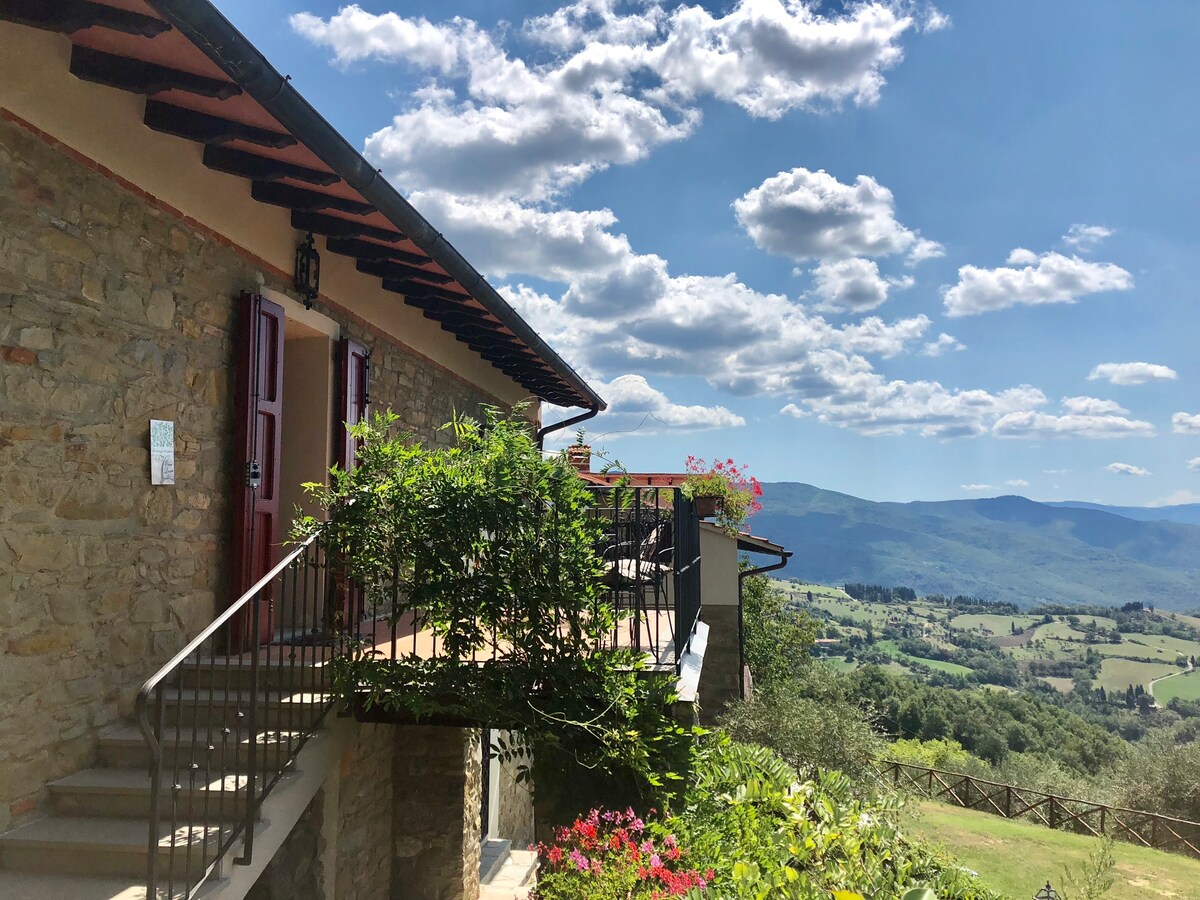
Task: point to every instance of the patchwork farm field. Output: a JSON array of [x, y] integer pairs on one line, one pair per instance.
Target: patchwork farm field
[[1185, 686], [1117, 674], [975, 645]]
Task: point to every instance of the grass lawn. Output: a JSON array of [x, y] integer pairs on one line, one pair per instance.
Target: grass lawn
[[936, 664], [1062, 685], [1185, 687], [995, 624], [1017, 858], [1116, 674], [818, 590]]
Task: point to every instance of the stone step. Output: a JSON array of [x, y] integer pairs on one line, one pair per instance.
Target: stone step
[[71, 845], [515, 880], [125, 793], [493, 854], [40, 886], [201, 706], [301, 673], [126, 747], [43, 886]]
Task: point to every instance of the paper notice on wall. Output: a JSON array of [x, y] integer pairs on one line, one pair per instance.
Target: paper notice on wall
[[162, 452]]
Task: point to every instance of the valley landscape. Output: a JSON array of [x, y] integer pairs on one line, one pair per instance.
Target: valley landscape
[[1007, 549]]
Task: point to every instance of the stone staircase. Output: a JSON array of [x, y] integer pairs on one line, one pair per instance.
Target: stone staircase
[[94, 844]]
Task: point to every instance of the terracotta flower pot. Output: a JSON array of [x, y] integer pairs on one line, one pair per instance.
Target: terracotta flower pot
[[708, 506]]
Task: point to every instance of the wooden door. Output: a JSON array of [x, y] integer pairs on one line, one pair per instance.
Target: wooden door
[[259, 399], [355, 397], [355, 370]]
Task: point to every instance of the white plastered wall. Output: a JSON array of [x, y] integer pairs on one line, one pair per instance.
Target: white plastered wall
[[718, 567]]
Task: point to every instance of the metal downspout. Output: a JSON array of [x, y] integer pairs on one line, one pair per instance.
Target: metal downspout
[[565, 423], [783, 561]]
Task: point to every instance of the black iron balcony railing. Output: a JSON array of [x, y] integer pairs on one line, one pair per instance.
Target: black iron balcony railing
[[228, 714], [651, 557], [225, 718]]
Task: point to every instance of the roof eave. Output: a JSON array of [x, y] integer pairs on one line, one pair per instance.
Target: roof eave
[[213, 34]]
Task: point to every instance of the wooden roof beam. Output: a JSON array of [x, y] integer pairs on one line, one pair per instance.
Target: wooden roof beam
[[416, 289], [397, 271], [369, 251], [262, 168], [292, 197], [143, 77], [437, 308], [198, 126], [69, 16], [333, 226]]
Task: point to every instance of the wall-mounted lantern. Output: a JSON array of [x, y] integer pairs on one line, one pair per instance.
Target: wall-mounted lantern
[[308, 271]]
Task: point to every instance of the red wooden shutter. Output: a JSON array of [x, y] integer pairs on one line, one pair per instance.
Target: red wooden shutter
[[259, 399], [356, 369]]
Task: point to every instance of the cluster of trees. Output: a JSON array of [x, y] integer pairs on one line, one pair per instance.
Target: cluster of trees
[[1085, 742], [877, 593], [1131, 618], [990, 724]]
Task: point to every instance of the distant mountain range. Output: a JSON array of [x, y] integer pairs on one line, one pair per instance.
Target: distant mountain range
[[1003, 548], [1187, 513]]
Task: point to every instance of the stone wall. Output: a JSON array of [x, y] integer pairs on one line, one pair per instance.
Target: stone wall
[[515, 820], [720, 677], [363, 845], [437, 783], [296, 870], [113, 311]]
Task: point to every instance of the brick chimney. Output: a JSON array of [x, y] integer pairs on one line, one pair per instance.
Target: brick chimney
[[580, 457]]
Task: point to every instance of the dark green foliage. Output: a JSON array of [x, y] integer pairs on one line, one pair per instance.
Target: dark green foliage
[[988, 723], [810, 722], [766, 836], [487, 544], [777, 640]]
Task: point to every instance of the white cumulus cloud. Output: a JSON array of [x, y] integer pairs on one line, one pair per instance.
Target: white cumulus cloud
[[1194, 463], [1131, 373], [1092, 406], [1120, 468], [1017, 482], [1085, 237], [1031, 280], [811, 215], [616, 84], [944, 344], [631, 398], [849, 285], [1082, 417], [976, 488], [1185, 423]]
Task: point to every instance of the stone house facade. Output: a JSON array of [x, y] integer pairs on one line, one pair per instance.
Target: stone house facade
[[127, 247]]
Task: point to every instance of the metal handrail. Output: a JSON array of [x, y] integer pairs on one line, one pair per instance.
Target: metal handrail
[[235, 715], [179, 658]]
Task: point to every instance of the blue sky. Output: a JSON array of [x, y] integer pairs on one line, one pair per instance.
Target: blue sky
[[893, 249]]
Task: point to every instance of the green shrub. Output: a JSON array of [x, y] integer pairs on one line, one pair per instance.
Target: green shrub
[[486, 543], [767, 835], [808, 723]]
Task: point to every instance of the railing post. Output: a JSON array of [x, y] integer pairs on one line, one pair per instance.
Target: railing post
[[1103, 810], [1008, 801], [252, 729], [155, 786], [1052, 813]]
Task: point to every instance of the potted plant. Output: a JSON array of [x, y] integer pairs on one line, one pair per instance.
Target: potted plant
[[722, 490]]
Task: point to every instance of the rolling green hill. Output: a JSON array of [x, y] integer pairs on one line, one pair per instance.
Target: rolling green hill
[[1004, 548]]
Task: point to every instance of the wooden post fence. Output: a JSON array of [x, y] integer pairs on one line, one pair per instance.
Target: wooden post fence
[[1081, 816]]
